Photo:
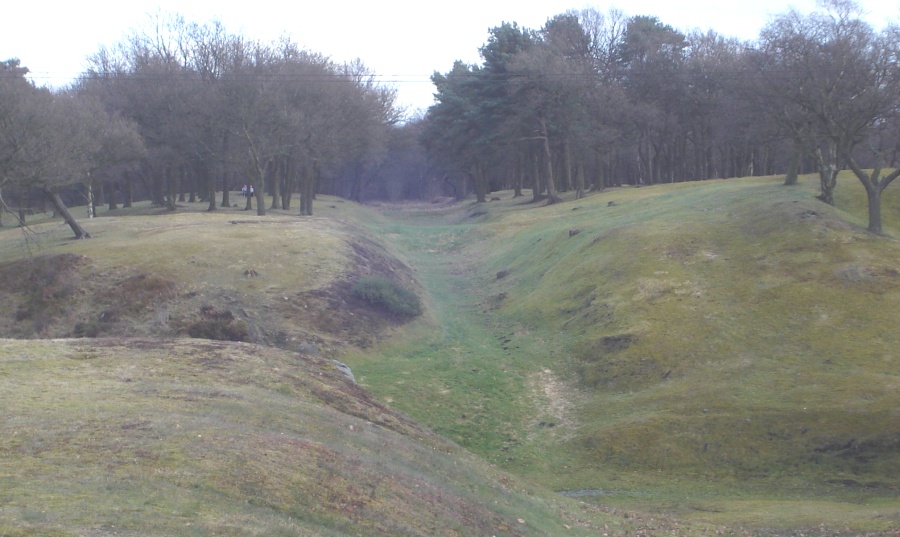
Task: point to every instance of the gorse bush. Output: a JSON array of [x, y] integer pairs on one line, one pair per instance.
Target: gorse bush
[[219, 325], [388, 295], [220, 330]]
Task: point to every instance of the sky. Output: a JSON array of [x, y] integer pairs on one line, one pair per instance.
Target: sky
[[404, 42]]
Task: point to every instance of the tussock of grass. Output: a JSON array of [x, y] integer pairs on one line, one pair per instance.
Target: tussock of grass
[[388, 295]]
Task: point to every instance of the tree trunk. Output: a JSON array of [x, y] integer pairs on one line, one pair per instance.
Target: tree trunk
[[517, 178], [479, 182], [552, 196], [579, 180], [226, 190], [567, 168], [278, 171], [309, 195], [111, 196], [793, 172], [290, 181], [303, 180], [308, 189], [828, 171], [874, 198], [874, 185], [171, 189], [129, 190], [537, 186], [260, 198], [643, 163], [90, 200], [62, 210], [210, 185], [181, 192]]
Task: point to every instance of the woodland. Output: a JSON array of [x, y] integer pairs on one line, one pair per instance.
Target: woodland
[[591, 100]]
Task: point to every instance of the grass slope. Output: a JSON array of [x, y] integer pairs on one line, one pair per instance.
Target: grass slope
[[193, 437], [156, 434], [721, 350], [285, 278]]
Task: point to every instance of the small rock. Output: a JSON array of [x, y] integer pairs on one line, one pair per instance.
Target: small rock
[[574, 231], [343, 368]]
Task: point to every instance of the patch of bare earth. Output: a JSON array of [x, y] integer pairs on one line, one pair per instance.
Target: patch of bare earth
[[336, 315], [555, 403]]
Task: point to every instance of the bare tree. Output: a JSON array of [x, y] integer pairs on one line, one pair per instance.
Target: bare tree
[[825, 78], [53, 140], [881, 100]]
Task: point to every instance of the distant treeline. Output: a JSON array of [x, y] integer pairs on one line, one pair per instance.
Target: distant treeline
[[593, 100], [590, 100]]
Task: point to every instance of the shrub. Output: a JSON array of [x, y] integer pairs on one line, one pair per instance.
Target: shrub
[[218, 325], [219, 329], [388, 295], [87, 329]]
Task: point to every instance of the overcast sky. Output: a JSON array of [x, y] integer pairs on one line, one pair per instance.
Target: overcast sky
[[403, 41]]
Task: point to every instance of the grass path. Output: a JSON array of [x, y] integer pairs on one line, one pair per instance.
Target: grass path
[[481, 372]]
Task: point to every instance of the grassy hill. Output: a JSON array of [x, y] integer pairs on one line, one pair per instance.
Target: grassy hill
[[284, 279], [196, 437], [716, 357], [140, 430], [722, 351]]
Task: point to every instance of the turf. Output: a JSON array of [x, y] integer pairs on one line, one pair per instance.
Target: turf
[[192, 437], [726, 342], [703, 358]]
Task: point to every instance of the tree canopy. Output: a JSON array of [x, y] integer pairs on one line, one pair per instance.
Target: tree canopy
[[594, 99]]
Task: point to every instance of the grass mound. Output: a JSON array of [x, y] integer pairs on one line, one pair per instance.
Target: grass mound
[[284, 280], [692, 345], [156, 435], [716, 333], [188, 437]]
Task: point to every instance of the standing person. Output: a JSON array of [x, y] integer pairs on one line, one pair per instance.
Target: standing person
[[244, 191], [249, 195]]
